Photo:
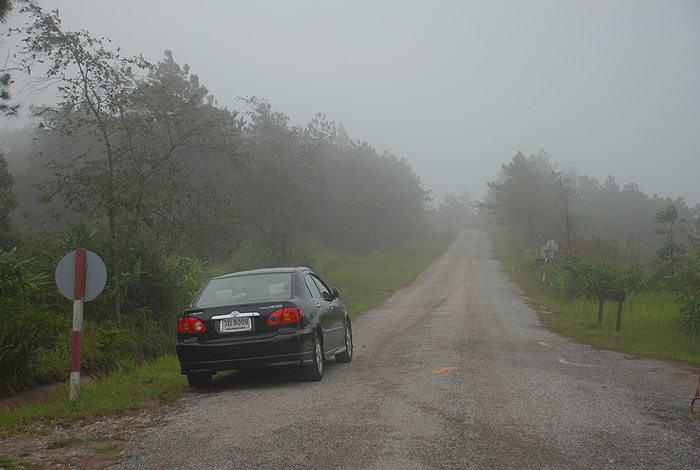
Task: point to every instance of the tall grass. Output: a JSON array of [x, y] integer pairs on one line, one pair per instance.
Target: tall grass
[[649, 325]]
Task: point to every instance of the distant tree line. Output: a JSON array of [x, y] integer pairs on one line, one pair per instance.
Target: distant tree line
[[536, 202], [142, 152], [610, 237]]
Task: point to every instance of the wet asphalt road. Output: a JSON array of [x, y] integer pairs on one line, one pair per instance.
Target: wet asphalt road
[[452, 372]]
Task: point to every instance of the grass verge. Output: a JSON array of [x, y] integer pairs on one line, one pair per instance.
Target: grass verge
[[124, 390], [649, 326], [367, 281]]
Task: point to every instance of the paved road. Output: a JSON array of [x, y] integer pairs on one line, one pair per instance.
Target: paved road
[[452, 372]]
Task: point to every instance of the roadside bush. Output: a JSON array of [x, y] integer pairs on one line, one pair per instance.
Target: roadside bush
[[27, 330], [108, 346], [571, 276], [686, 285], [28, 325], [16, 278], [528, 259]]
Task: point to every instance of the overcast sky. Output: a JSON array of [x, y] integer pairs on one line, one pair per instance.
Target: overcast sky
[[458, 87]]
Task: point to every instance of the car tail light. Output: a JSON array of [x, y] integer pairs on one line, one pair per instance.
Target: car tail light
[[284, 316], [190, 325]]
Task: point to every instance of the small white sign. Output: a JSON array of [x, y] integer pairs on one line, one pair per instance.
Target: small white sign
[[549, 248]]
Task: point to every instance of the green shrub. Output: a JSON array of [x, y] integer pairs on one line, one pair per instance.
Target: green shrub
[[686, 285], [528, 259], [571, 276], [27, 329], [139, 338], [16, 278]]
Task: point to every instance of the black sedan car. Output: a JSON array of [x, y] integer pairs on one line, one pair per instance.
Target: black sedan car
[[277, 317]]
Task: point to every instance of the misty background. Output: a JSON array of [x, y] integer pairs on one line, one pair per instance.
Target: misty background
[[456, 88]]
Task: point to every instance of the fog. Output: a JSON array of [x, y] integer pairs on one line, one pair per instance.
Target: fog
[[455, 87]]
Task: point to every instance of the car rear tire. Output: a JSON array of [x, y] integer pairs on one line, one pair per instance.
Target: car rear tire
[[199, 380], [346, 356], [314, 372]]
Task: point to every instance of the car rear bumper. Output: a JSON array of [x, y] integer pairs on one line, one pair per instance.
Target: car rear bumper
[[282, 350]]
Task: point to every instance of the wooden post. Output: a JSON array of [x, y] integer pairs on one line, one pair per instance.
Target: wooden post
[[619, 314], [609, 294]]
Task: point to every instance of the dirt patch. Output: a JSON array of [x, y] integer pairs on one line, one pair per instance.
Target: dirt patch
[[85, 445], [28, 397]]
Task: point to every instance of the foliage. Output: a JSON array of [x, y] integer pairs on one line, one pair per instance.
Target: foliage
[[522, 195], [108, 346], [685, 283], [28, 325], [5, 9], [6, 109], [27, 330], [315, 183], [134, 135], [125, 389], [151, 303], [649, 326], [535, 202], [146, 155], [528, 259], [457, 211], [8, 199], [571, 276], [566, 220], [671, 253], [16, 277]]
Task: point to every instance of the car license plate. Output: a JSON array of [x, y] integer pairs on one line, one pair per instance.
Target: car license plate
[[230, 325]]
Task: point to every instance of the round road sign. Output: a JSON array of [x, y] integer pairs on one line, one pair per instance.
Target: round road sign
[[549, 248], [95, 275]]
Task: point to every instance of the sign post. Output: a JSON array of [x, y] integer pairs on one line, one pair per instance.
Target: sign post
[[80, 276], [548, 250], [78, 303]]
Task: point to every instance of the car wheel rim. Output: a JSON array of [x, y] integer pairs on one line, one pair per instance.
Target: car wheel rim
[[348, 340], [319, 356]]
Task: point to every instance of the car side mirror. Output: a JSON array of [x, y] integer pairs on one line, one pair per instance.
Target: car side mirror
[[335, 292]]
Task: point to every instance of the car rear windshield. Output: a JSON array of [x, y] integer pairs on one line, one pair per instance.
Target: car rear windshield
[[245, 288]]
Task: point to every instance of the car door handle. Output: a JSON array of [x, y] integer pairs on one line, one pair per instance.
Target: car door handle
[[318, 304]]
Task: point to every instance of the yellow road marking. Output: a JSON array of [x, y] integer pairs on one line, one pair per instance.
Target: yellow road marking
[[443, 370]]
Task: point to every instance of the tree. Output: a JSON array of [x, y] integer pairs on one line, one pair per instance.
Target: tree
[[283, 185], [457, 210], [136, 142], [524, 194], [5, 9], [8, 200], [174, 131], [670, 255], [93, 83], [6, 109], [566, 221], [135, 135]]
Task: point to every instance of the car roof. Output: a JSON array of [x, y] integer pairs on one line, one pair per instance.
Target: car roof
[[263, 271]]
